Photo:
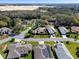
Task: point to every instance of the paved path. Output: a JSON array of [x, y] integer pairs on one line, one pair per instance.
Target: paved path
[[22, 34]]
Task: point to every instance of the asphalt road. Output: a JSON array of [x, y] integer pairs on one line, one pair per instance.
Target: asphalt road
[[50, 39]]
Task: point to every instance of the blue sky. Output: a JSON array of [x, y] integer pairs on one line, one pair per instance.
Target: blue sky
[[39, 1]]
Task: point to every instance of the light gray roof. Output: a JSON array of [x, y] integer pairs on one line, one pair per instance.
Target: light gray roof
[[62, 52], [63, 30], [50, 31], [13, 54], [5, 29]]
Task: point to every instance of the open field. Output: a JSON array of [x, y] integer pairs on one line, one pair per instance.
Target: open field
[[13, 8]]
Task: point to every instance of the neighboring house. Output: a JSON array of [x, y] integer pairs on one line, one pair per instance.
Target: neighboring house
[[63, 30], [75, 29], [50, 31], [62, 52], [17, 50], [25, 21], [43, 52], [52, 27], [40, 30], [5, 30], [52, 21]]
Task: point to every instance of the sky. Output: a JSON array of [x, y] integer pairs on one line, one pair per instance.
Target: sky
[[39, 1]]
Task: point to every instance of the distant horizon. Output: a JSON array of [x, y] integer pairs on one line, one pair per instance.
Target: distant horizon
[[39, 1]]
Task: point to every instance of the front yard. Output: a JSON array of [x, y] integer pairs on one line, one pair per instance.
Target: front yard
[[72, 48], [74, 36], [41, 36], [2, 49]]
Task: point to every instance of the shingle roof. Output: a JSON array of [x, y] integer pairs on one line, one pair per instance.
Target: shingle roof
[[43, 52], [16, 50], [75, 29], [13, 54]]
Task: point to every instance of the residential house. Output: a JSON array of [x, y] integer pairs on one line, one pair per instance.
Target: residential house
[[50, 31], [63, 30], [5, 30], [43, 52], [52, 21], [62, 52], [40, 30], [18, 50], [75, 29]]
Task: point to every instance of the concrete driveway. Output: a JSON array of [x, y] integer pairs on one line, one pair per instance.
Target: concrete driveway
[[64, 36]]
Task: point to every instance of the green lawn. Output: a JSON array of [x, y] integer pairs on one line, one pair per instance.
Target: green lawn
[[73, 36], [41, 36], [30, 24], [2, 52], [57, 34], [50, 43], [33, 43], [71, 47]]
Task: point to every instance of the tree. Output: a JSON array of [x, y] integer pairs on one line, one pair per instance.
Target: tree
[[28, 35], [67, 42], [5, 19], [3, 24], [18, 21], [12, 40], [77, 51]]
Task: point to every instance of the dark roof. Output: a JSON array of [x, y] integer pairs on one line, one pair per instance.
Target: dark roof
[[16, 50], [43, 52]]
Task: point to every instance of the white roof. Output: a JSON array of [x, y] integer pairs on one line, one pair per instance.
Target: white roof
[[63, 30], [5, 29], [62, 52]]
